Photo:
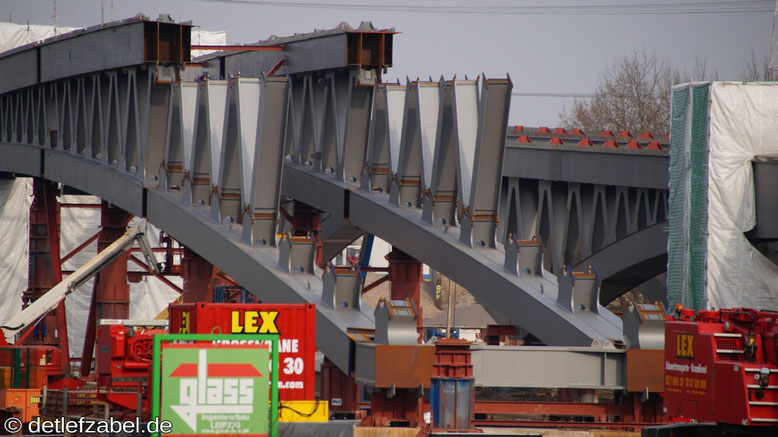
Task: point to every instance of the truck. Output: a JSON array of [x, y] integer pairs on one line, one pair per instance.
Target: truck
[[720, 373]]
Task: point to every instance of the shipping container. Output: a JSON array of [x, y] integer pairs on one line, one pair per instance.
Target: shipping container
[[295, 324]]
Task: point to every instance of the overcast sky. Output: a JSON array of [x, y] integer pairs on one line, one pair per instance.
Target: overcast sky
[[545, 50]]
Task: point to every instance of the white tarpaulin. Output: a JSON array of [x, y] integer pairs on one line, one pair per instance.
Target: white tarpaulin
[[207, 38], [718, 128], [14, 35], [147, 298], [743, 125], [14, 221]]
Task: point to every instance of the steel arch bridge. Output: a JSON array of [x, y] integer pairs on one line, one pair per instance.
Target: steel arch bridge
[[108, 112]]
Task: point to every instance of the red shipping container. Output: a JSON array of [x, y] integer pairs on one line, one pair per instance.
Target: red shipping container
[[295, 324]]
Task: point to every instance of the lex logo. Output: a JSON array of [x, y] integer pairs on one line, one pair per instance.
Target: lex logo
[[684, 344], [217, 388], [254, 322]]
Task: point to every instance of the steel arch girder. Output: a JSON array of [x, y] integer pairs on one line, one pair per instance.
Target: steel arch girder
[[629, 261], [256, 268], [510, 299]]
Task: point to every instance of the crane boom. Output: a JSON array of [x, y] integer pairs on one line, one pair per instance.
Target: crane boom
[[54, 296]]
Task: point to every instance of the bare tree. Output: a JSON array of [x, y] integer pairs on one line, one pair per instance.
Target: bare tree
[[753, 69], [634, 94]]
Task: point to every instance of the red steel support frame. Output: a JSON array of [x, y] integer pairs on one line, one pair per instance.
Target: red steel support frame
[[629, 412], [305, 223], [405, 273], [341, 387], [404, 406], [198, 275], [111, 292], [45, 268]]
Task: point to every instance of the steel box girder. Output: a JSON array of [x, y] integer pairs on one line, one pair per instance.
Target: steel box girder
[[514, 299], [549, 367], [630, 261], [588, 165], [115, 45], [254, 267]]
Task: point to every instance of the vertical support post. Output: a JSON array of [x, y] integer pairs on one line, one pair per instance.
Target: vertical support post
[[306, 222], [197, 274], [339, 389], [45, 270], [305, 219], [111, 291], [400, 406], [405, 273], [65, 401], [452, 395]]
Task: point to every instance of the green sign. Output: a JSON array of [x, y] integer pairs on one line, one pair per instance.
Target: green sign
[[215, 389]]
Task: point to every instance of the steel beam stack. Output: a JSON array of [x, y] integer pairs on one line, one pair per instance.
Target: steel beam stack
[[210, 161]]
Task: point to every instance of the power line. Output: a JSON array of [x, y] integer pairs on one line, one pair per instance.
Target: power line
[[701, 7], [575, 95]]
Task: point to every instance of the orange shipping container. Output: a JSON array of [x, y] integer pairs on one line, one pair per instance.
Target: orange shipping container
[[26, 400]]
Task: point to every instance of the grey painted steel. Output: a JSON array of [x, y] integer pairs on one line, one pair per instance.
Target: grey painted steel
[[336, 234], [644, 332], [111, 46], [419, 132], [101, 180], [579, 291], [589, 165], [482, 209], [207, 142], [765, 181], [629, 261], [90, 53], [440, 205], [383, 148], [342, 290], [256, 269], [24, 65], [322, 53], [395, 322], [519, 299], [21, 159], [107, 130], [523, 257], [331, 115], [262, 204], [297, 256], [317, 51], [549, 367], [655, 289], [179, 137], [119, 128], [577, 220]]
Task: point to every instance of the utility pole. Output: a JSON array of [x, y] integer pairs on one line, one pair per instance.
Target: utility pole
[[772, 69], [450, 309], [55, 16]]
